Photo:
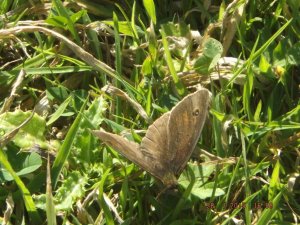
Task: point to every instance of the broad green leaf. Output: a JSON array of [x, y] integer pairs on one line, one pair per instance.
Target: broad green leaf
[[85, 141], [24, 164], [94, 115], [214, 62], [218, 115], [72, 189], [204, 193], [28, 136], [117, 128], [212, 48], [202, 65], [212, 51], [57, 94], [201, 175], [177, 30]]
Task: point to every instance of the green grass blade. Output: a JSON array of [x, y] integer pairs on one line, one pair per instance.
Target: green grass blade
[[217, 126], [107, 213], [118, 63], [60, 110], [178, 84], [270, 211], [65, 149], [35, 61], [181, 203], [63, 12], [275, 181], [29, 204], [80, 52], [56, 70], [259, 52], [150, 8], [131, 25], [50, 207], [247, 180]]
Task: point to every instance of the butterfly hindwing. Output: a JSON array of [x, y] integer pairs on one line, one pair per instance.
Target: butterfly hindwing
[[155, 142]]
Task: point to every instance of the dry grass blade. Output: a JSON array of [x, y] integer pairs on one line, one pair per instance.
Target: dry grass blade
[[213, 159], [9, 209], [15, 89], [288, 141], [113, 208], [80, 52], [224, 71], [118, 92], [83, 215], [230, 160], [230, 23]]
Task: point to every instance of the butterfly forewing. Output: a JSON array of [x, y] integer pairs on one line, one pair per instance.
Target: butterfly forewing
[[185, 126], [150, 154], [127, 148]]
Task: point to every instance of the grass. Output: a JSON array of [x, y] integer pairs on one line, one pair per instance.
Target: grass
[[119, 66]]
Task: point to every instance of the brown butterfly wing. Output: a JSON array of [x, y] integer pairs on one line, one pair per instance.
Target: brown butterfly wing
[[127, 148], [150, 154], [185, 125], [155, 142], [169, 141]]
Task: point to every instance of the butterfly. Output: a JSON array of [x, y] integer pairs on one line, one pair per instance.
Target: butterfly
[[169, 142]]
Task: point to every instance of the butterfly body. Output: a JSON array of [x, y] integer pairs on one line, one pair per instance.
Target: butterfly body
[[169, 141]]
